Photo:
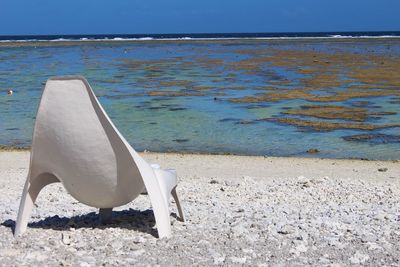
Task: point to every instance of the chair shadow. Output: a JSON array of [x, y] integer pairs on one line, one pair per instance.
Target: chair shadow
[[136, 220]]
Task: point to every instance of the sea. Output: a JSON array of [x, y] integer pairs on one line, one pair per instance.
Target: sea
[[220, 93]]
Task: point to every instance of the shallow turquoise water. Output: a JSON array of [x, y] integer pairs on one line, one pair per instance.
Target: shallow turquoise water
[[123, 73]]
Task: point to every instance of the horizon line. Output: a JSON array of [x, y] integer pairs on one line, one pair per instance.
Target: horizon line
[[202, 33]]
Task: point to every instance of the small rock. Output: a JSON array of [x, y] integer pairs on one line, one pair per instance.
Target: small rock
[[286, 229], [239, 230], [214, 181], [381, 216], [138, 252], [303, 182], [373, 246], [359, 258], [367, 238], [65, 239], [312, 151], [218, 259], [317, 181], [323, 260], [231, 183], [238, 260], [117, 245], [302, 248], [204, 243], [139, 239], [8, 252], [382, 169], [36, 255]]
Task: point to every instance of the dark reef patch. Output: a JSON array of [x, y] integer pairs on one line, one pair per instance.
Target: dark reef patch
[[177, 109], [181, 140], [256, 106], [327, 126], [229, 119], [306, 95], [245, 122], [374, 138], [336, 112], [155, 108], [122, 96], [174, 93]]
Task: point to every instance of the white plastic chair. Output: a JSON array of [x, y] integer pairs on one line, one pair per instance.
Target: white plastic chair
[[75, 143]]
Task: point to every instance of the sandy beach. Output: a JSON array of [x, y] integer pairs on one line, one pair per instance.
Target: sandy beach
[[241, 210]]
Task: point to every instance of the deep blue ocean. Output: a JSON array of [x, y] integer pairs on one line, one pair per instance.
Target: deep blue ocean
[[277, 35], [220, 93]]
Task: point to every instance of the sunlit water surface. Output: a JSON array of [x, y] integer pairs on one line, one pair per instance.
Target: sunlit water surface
[[123, 75]]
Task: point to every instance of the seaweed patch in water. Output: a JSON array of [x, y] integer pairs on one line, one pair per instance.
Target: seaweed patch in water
[[256, 106], [245, 122], [181, 140], [375, 75], [177, 109], [335, 112], [305, 95], [374, 138], [174, 94], [229, 119], [362, 103], [395, 100], [328, 126], [175, 83], [122, 96], [155, 108]]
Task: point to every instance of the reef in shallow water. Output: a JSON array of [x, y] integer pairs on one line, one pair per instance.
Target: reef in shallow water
[[328, 126], [374, 138], [336, 112]]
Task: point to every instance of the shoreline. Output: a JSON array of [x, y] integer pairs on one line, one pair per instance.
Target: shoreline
[[311, 155], [251, 165]]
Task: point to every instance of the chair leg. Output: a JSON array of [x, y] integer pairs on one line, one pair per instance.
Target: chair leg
[[31, 191], [178, 204], [105, 215], [160, 206]]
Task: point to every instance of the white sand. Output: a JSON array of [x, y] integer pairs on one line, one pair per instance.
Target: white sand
[[240, 210]]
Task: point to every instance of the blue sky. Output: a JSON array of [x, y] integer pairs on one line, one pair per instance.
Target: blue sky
[[195, 16]]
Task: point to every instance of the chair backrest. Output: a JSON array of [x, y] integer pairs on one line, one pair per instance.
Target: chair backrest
[[75, 141]]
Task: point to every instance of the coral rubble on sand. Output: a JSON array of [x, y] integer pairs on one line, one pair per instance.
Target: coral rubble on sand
[[267, 218]]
